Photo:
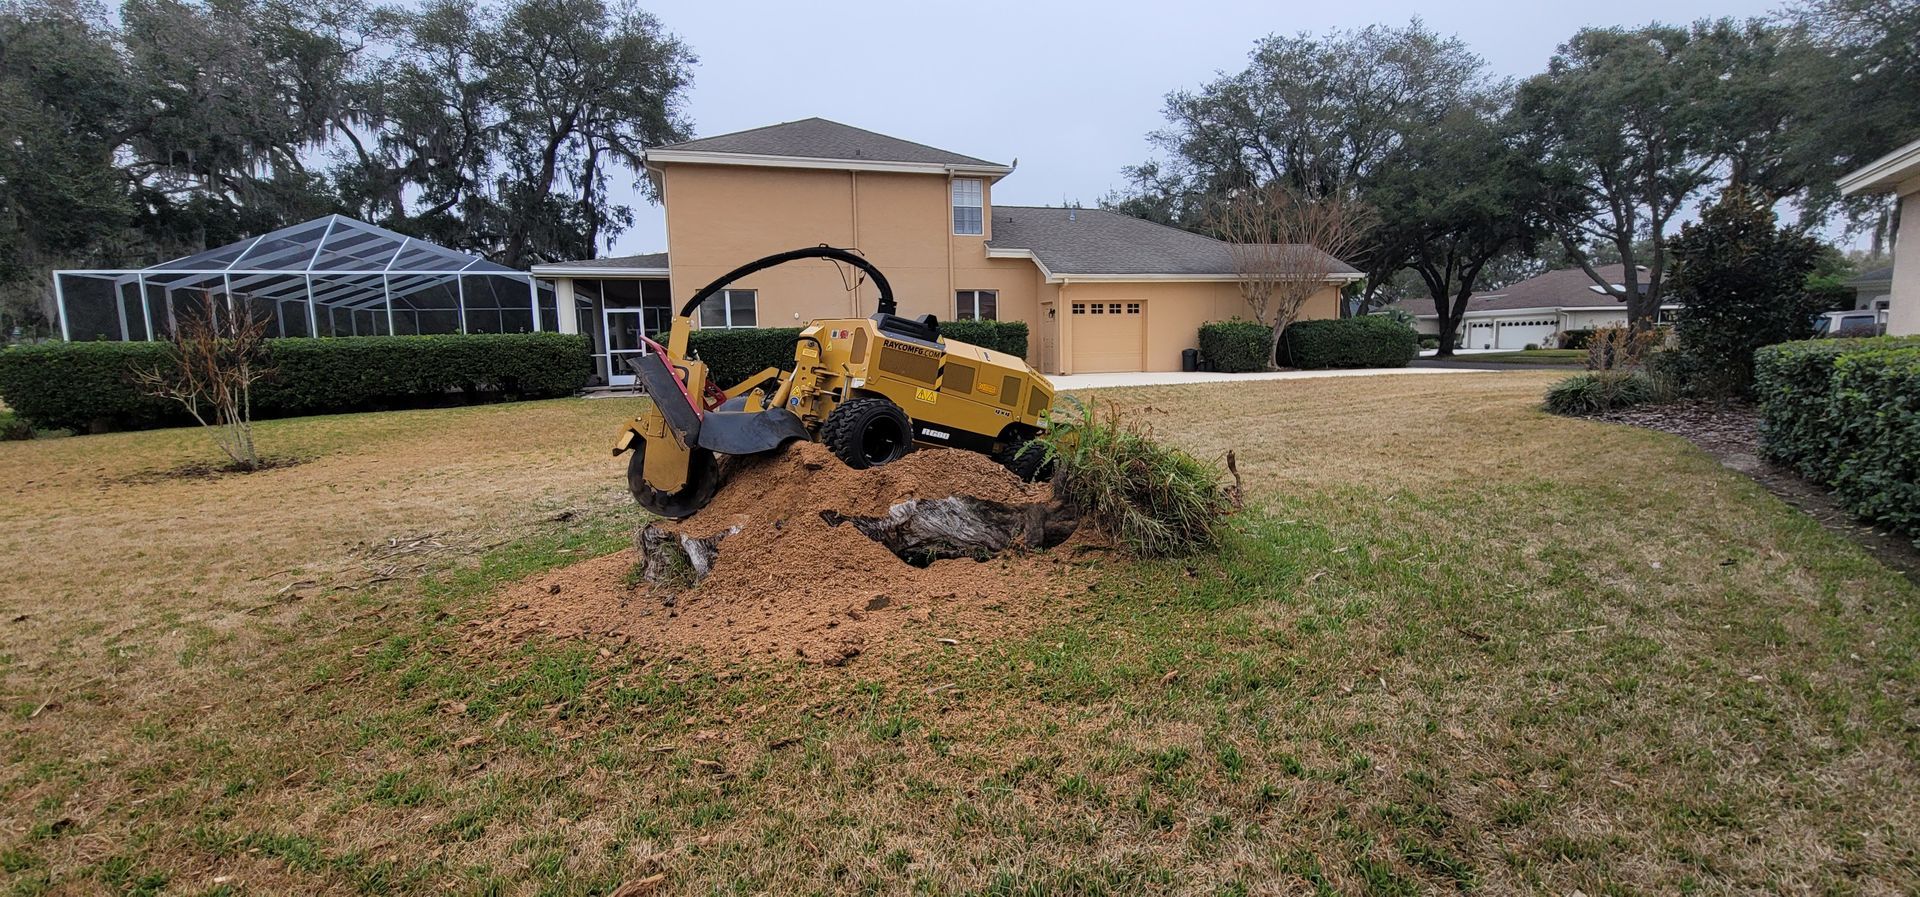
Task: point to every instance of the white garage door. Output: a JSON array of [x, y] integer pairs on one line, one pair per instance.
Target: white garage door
[[1479, 334], [1108, 336], [1519, 334]]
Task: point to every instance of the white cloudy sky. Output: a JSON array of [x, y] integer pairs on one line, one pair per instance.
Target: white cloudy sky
[[1069, 89]]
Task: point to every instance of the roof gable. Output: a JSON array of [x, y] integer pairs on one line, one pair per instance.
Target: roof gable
[[1101, 242], [1564, 288], [819, 138]]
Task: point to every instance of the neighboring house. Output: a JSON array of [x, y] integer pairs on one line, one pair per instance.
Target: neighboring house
[[1897, 173], [1873, 291], [1100, 291], [1535, 311]]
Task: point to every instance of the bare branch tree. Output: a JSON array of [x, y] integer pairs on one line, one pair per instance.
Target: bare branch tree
[[1286, 249], [213, 361]]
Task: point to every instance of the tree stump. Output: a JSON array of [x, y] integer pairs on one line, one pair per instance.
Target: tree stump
[[918, 531]]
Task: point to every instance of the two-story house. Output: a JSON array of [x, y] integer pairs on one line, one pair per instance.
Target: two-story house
[[1100, 291]]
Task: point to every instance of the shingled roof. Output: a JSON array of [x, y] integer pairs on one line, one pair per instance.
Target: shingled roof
[[818, 138], [1565, 288], [1096, 241]]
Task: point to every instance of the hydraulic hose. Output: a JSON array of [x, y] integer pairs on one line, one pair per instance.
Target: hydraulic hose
[[811, 252]]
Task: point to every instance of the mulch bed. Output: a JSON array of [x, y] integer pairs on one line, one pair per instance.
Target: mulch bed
[[1731, 434]]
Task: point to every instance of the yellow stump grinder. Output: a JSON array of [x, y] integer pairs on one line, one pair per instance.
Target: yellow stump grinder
[[868, 388]]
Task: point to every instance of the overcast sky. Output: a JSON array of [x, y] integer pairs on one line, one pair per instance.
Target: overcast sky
[[1070, 90]]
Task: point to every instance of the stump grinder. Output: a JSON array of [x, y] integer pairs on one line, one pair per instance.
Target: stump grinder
[[870, 389]]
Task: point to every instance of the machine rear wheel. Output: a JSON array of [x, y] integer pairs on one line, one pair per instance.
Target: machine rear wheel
[[1027, 459], [703, 480], [867, 432]]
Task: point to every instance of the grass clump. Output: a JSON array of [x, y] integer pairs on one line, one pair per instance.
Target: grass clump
[[1597, 391], [1156, 501]]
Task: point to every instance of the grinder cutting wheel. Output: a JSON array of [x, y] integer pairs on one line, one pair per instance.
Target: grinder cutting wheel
[[868, 388]]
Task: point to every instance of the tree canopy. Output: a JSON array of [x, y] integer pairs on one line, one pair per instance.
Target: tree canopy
[[182, 124]]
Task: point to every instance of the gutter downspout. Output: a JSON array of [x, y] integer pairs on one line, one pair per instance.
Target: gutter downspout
[[951, 298]]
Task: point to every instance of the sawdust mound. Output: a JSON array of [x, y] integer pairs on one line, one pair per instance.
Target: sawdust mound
[[787, 584]]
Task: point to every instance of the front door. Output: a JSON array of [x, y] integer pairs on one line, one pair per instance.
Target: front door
[[623, 343]]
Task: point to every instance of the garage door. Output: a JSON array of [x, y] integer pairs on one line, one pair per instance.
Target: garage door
[[1519, 334], [1108, 336], [1480, 334]]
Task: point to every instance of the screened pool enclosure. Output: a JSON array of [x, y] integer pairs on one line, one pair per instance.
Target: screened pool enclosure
[[332, 276]]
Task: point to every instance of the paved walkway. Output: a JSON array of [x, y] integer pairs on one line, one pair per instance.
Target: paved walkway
[[1073, 382]]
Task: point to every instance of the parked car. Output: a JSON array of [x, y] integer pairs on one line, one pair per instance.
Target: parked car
[[1852, 322]]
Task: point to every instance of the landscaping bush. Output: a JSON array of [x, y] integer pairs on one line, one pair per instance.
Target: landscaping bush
[[1741, 282], [1576, 338], [1794, 385], [1597, 391], [1000, 336], [1874, 411], [13, 429], [734, 355], [1154, 500], [1429, 341], [1236, 346], [90, 386], [1365, 342]]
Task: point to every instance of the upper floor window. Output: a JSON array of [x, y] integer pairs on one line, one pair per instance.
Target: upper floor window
[[969, 206], [729, 309], [976, 305]]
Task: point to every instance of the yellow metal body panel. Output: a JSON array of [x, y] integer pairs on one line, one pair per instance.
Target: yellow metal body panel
[[957, 394]]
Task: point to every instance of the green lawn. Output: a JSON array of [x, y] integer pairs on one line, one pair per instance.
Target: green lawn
[[1531, 356], [1454, 644]]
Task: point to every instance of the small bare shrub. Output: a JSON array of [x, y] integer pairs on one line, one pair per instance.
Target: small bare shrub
[[1615, 347], [214, 359]]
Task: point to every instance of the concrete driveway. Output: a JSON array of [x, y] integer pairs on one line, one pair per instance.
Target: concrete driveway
[[1075, 382]]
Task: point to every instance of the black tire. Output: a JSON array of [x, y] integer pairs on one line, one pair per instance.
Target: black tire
[[867, 432], [703, 480], [1027, 459]]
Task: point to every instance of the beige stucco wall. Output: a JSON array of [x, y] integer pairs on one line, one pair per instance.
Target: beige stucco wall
[[1173, 314], [721, 216], [1903, 312]]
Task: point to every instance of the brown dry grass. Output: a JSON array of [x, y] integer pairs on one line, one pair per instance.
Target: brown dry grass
[[1455, 643]]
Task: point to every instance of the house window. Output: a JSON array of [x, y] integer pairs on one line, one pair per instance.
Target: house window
[[1099, 309], [976, 305], [969, 206], [730, 309], [1079, 308], [1133, 308]]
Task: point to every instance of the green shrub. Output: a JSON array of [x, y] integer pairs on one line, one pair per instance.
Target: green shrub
[[1000, 336], [734, 355], [1793, 384], [1429, 341], [1236, 346], [13, 429], [1154, 500], [1576, 338], [1597, 391], [1875, 414], [1740, 280], [1365, 342], [89, 386]]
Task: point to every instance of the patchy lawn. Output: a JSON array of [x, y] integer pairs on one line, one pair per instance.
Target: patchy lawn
[[1456, 643]]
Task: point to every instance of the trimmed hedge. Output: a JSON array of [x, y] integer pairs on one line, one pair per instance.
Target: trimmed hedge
[[1369, 341], [1235, 346], [1000, 336], [89, 386], [1846, 413], [734, 355]]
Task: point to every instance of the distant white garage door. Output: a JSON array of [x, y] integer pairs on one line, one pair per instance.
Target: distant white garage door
[[1479, 334], [1521, 334], [1108, 337]]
